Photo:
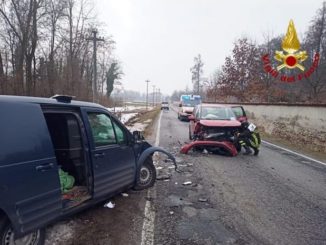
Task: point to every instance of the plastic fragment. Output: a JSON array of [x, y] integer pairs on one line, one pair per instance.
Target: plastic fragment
[[187, 183], [109, 205]]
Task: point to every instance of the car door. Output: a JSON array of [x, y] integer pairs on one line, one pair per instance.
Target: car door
[[239, 113], [113, 158], [192, 123], [29, 181]]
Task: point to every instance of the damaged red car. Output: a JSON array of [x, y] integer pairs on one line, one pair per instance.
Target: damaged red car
[[213, 127]]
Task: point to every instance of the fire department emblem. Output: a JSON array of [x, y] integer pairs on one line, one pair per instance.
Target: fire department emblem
[[291, 57]]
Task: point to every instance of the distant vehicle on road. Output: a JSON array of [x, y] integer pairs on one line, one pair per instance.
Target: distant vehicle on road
[[187, 105], [165, 106], [213, 127], [60, 156]]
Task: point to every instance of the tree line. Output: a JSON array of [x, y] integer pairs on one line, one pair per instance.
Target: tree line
[[242, 77], [45, 49]]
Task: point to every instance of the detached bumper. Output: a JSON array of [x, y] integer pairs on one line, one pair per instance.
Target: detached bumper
[[228, 146]]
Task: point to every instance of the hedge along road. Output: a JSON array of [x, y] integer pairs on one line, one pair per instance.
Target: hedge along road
[[275, 198]]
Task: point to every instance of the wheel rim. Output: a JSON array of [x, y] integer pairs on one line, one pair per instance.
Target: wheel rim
[[145, 176], [29, 239]]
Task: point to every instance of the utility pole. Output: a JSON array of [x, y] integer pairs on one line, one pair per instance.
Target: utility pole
[[95, 40], [153, 95], [159, 96], [147, 81]]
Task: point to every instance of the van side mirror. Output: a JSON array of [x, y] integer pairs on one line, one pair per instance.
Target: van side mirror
[[137, 136], [191, 118]]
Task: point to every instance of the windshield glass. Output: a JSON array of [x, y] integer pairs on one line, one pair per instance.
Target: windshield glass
[[217, 113], [190, 103]]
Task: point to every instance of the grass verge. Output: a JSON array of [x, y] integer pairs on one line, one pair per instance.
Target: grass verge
[[148, 118]]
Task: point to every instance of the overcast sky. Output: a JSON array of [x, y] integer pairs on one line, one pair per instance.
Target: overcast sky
[[158, 39]]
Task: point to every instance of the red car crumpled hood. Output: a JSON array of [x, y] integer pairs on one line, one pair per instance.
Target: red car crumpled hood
[[220, 123]]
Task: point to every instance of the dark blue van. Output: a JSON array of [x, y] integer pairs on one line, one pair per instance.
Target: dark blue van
[[90, 148]]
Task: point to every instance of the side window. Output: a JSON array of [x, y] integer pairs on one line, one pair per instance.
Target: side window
[[121, 137], [238, 111], [102, 129]]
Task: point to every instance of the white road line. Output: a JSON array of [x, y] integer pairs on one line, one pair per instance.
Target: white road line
[[147, 234], [157, 139], [293, 152]]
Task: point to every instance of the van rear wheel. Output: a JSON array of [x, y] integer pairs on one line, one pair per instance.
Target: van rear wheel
[[147, 175], [7, 235]]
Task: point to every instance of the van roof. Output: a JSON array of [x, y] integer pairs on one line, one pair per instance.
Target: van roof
[[47, 101]]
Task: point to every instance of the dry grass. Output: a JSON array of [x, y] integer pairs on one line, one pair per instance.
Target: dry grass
[[144, 116]]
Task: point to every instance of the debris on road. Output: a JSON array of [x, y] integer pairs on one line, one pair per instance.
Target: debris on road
[[187, 183], [163, 177], [109, 205], [167, 160], [227, 146], [61, 231], [171, 212], [124, 194], [203, 199], [159, 167]]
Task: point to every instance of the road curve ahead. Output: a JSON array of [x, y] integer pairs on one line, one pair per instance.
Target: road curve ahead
[[275, 198]]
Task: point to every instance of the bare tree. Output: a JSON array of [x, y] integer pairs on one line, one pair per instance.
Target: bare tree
[[197, 71], [316, 43]]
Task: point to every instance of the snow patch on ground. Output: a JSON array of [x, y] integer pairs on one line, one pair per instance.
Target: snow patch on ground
[[126, 117], [128, 108], [148, 121]]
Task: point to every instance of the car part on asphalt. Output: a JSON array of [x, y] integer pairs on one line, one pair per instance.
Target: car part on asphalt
[[227, 146]]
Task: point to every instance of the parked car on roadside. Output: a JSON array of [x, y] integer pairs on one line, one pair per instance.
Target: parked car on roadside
[[213, 127], [58, 157], [165, 105]]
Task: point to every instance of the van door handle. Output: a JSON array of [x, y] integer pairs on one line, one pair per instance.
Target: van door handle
[[99, 155], [44, 167]]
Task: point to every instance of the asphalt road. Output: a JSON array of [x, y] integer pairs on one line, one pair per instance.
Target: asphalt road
[[274, 198]]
